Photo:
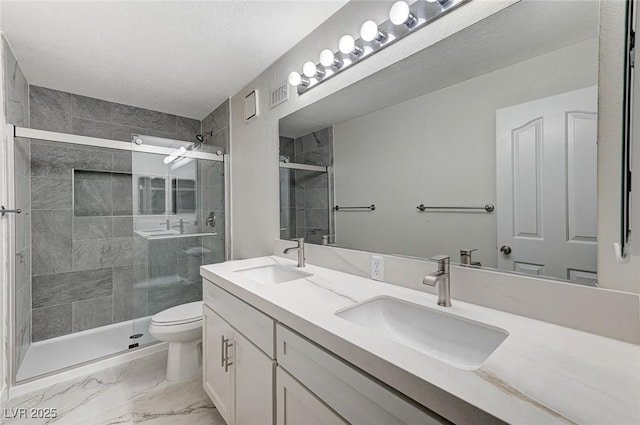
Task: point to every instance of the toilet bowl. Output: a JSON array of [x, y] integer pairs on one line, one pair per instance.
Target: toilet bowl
[[181, 327]]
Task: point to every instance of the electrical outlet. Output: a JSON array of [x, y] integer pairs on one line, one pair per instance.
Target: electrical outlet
[[377, 267]]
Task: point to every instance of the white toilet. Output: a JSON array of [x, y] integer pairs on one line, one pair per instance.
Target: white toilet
[[181, 327]]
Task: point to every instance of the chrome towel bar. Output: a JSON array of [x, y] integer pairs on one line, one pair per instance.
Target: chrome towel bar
[[488, 208], [371, 207]]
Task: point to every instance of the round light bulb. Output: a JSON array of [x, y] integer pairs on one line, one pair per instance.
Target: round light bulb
[[167, 160], [327, 58], [399, 13], [182, 150], [369, 31], [346, 44], [294, 79], [309, 69]]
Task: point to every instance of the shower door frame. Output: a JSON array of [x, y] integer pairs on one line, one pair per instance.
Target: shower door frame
[[7, 191]]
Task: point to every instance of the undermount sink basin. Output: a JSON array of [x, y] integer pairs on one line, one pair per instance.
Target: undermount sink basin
[[273, 273], [460, 342]]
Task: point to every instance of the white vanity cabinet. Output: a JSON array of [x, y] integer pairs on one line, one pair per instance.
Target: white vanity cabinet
[[238, 375], [248, 356]]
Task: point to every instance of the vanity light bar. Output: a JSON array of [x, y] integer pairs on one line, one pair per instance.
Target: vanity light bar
[[403, 20]]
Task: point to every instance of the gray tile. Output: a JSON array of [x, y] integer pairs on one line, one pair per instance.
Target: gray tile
[[69, 287], [286, 146], [22, 156], [92, 228], [320, 156], [49, 193], [122, 161], [316, 198], [138, 117], [93, 313], [121, 251], [22, 268], [158, 133], [163, 258], [122, 194], [318, 219], [318, 139], [129, 292], [98, 253], [17, 90], [91, 128], [90, 108], [213, 249], [125, 133], [140, 249], [301, 218], [189, 270], [51, 242], [314, 236], [50, 109], [187, 128], [50, 322], [164, 297], [217, 119], [189, 247], [50, 159], [219, 140], [92, 194], [122, 226]]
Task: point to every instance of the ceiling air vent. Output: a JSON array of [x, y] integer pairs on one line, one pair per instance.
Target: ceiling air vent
[[279, 94]]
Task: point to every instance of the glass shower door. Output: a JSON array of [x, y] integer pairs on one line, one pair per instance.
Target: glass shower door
[[178, 225]]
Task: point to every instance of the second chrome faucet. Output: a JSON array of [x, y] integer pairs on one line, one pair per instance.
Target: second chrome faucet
[[299, 248], [440, 279]]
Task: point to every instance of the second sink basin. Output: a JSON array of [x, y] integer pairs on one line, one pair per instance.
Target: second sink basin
[[275, 273], [460, 342]]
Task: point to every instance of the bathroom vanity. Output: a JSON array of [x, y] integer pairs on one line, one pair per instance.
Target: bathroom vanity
[[317, 346]]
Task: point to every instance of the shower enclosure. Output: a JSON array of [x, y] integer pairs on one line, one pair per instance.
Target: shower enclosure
[[109, 234]]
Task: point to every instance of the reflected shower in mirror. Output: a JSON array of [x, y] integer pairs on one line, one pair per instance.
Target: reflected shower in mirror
[[481, 147]]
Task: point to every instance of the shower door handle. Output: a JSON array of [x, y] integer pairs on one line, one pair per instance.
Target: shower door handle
[[4, 211]]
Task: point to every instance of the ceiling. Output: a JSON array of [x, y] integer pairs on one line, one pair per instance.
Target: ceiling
[[522, 31], [180, 57]]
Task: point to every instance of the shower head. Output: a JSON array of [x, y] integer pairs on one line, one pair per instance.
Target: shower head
[[201, 137]]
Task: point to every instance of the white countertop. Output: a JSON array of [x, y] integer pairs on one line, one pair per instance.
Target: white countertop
[[541, 374]]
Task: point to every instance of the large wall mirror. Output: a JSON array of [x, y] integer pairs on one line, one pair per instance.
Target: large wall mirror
[[485, 141]]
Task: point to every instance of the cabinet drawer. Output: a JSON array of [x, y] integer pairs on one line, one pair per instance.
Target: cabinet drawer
[[352, 394], [252, 323]]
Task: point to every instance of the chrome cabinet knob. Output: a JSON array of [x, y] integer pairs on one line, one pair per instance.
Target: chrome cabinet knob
[[505, 249]]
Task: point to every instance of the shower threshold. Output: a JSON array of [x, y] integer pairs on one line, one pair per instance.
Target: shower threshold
[[66, 351]]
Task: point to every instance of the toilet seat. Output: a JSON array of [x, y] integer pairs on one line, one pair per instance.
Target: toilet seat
[[179, 315]]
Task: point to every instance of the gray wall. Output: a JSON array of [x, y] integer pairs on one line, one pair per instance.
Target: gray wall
[[87, 270], [17, 110], [441, 148], [218, 122]]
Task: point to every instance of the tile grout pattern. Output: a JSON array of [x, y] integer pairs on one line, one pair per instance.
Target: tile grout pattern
[[136, 392]]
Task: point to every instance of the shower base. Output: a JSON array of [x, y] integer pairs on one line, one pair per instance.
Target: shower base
[[72, 350]]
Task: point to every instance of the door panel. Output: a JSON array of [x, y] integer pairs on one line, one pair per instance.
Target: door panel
[[254, 374], [546, 185]]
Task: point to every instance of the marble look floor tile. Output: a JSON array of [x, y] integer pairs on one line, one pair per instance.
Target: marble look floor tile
[[136, 392], [183, 402]]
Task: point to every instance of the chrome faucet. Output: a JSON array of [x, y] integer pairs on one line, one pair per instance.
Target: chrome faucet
[[441, 279], [465, 258], [180, 226], [299, 248], [167, 224]]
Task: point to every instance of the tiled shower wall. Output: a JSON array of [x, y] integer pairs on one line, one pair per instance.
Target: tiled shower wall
[[86, 266], [309, 193], [17, 110]]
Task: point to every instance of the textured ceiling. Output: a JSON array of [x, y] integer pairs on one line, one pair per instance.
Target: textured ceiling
[[180, 57]]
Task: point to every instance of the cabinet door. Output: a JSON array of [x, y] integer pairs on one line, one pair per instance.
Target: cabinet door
[[218, 379], [254, 373], [296, 405]]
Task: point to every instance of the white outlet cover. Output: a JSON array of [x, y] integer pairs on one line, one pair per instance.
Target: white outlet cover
[[377, 267]]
